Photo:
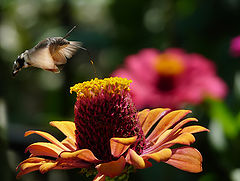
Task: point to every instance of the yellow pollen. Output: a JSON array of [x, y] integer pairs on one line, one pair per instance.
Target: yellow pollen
[[112, 85], [169, 65]]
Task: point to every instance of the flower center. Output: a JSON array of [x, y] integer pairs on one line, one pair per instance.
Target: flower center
[[104, 109], [112, 85], [168, 65], [166, 83]]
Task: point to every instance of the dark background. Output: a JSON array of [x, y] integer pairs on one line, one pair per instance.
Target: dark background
[[111, 30]]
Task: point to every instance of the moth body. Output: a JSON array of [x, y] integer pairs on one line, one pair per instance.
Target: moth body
[[47, 55]]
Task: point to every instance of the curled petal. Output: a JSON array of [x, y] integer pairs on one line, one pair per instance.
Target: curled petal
[[31, 160], [83, 154], [71, 163], [152, 117], [194, 129], [31, 164], [120, 145], [99, 177], [142, 116], [187, 159], [48, 137], [44, 149], [159, 156], [173, 131], [135, 159], [163, 136], [66, 127], [180, 124], [184, 139], [27, 168], [113, 168], [166, 122], [69, 144], [45, 167]]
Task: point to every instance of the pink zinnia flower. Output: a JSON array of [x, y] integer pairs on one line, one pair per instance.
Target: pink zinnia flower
[[171, 78], [235, 47], [108, 134]]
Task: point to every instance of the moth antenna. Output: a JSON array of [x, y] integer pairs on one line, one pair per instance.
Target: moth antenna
[[68, 33], [90, 60]]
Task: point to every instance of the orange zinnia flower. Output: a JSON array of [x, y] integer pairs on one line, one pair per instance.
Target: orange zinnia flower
[[109, 134]]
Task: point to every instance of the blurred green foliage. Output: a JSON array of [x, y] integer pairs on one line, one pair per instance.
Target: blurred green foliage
[[111, 30]]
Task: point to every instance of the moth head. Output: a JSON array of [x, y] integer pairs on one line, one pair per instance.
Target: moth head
[[18, 64]]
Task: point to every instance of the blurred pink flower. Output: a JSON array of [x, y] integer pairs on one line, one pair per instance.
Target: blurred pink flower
[[171, 78], [235, 47]]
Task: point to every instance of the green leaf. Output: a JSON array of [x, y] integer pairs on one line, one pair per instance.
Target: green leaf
[[221, 113]]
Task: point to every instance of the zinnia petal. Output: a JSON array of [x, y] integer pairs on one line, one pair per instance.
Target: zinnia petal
[[66, 127], [142, 116], [48, 137], [83, 154], [194, 129], [159, 156], [181, 124], [31, 164], [44, 149], [31, 160], [173, 131], [120, 145], [27, 168], [113, 168], [69, 144], [47, 166], [187, 159], [152, 117], [99, 177], [135, 159], [166, 122], [184, 139]]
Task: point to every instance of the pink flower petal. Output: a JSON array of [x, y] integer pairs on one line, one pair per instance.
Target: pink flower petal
[[197, 80]]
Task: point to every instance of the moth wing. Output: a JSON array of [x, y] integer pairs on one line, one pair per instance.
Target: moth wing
[[42, 59], [62, 49]]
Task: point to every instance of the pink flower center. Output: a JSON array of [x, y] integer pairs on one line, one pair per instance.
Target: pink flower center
[[169, 65]]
